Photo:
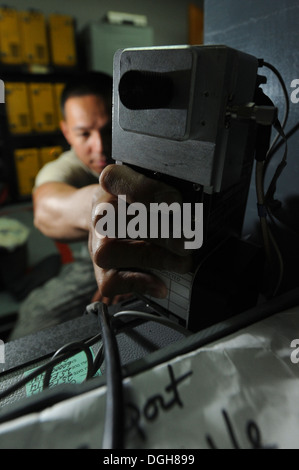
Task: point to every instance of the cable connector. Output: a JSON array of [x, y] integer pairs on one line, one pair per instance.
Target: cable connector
[[264, 115]]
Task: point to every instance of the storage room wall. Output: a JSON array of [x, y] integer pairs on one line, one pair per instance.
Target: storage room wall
[[268, 30]]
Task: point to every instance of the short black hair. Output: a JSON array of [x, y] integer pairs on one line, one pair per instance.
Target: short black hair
[[90, 83]]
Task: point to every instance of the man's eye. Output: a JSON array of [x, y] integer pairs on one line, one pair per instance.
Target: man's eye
[[84, 134]]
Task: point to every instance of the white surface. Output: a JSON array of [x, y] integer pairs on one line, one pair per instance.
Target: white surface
[[248, 382]]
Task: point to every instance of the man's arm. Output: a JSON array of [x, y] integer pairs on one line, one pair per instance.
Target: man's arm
[[63, 212]]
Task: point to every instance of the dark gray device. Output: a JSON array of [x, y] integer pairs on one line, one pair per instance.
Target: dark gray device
[[172, 120]]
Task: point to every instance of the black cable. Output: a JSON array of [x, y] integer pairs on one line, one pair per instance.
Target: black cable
[[113, 429], [150, 317], [73, 348], [271, 67], [264, 210], [283, 140], [265, 198], [272, 186], [281, 126], [56, 359], [22, 382], [114, 417], [67, 351], [98, 361]]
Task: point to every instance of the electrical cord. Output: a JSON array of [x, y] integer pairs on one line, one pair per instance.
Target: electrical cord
[[72, 348], [270, 201], [288, 134], [263, 211], [271, 67], [114, 416], [272, 186], [264, 199], [108, 351], [55, 360], [149, 316], [269, 198], [67, 351]]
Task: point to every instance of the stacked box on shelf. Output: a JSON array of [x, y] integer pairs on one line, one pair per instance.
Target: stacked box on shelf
[[34, 38], [28, 162], [10, 40], [62, 40], [58, 87], [43, 109], [18, 107], [27, 166], [28, 37], [48, 154]]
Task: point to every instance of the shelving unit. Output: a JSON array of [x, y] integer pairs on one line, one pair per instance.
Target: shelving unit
[[25, 136], [38, 55]]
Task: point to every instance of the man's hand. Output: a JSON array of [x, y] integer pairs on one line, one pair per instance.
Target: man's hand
[[123, 266]]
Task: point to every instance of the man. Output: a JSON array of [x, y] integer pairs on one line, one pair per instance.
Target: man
[[66, 197], [64, 188], [62, 197], [65, 203]]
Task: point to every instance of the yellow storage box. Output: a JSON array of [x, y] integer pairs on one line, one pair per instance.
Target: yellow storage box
[[62, 40], [34, 38], [10, 39], [27, 166], [18, 107], [58, 88], [48, 154], [42, 107]]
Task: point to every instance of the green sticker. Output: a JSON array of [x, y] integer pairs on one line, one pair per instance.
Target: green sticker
[[69, 371]]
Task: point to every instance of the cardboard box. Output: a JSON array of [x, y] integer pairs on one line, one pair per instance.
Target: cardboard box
[[18, 107]]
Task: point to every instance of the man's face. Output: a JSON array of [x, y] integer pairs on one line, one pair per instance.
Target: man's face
[[87, 128]]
